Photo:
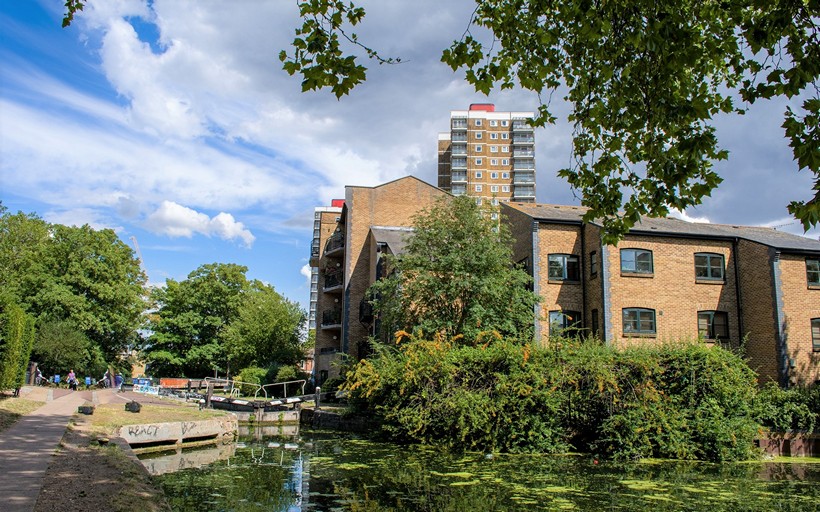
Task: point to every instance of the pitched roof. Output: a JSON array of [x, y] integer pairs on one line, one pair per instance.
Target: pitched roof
[[394, 236], [676, 227]]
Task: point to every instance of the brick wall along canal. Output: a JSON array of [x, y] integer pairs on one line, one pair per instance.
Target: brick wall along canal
[[330, 471]]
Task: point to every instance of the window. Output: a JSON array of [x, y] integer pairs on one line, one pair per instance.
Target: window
[[479, 135], [713, 325], [479, 188], [639, 321], [595, 322], [494, 161], [493, 136], [505, 136], [479, 161], [505, 188], [479, 148], [505, 175], [493, 123], [478, 122], [494, 175], [478, 174], [709, 266], [494, 188], [505, 149], [494, 202], [815, 334], [505, 123], [593, 263], [562, 320], [813, 272], [494, 216], [563, 267], [478, 201], [636, 261], [493, 149]]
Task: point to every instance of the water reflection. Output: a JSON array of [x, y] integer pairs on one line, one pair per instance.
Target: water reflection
[[329, 471]]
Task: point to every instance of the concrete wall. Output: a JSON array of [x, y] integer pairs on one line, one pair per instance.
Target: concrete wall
[[178, 432]]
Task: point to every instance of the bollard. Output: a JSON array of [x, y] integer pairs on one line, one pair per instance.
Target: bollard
[[318, 397]]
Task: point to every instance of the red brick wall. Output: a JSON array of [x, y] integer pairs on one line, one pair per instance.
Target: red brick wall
[[800, 304]]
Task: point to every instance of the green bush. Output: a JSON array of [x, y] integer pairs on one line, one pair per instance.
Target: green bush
[[781, 410], [685, 401], [251, 375]]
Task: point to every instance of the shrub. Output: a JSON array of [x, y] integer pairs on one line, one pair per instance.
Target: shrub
[[682, 401], [251, 375], [781, 410]]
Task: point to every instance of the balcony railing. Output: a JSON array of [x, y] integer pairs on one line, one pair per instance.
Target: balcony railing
[[458, 190], [333, 279], [459, 137], [314, 249], [523, 139], [334, 243], [523, 153], [331, 317], [459, 124], [459, 177], [459, 151], [523, 191], [459, 163], [524, 166], [523, 178], [521, 126]]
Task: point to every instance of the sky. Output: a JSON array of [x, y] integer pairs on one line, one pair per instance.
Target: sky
[[172, 122]]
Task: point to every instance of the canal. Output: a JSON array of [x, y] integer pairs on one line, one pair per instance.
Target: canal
[[331, 471]]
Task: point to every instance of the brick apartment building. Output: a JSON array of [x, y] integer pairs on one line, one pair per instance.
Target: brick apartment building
[[666, 280], [669, 279], [346, 255], [488, 155]]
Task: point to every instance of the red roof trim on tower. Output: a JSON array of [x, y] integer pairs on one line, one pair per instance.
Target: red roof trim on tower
[[337, 203], [487, 107]]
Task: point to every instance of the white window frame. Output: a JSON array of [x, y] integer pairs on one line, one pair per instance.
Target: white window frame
[[478, 122], [479, 161], [505, 149], [493, 135], [494, 175], [478, 175], [494, 189], [478, 135], [479, 188], [505, 123], [505, 175], [479, 148], [493, 123], [494, 161], [505, 188], [493, 149], [505, 136]]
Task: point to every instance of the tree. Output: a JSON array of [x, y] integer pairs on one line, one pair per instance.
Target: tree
[[16, 338], [456, 277], [92, 279], [644, 79], [192, 315], [266, 330], [23, 240], [59, 346]]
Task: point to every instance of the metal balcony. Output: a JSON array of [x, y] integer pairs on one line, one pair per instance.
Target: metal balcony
[[523, 153], [458, 163], [459, 177], [524, 178], [333, 280], [335, 244], [523, 138], [458, 150], [332, 318], [459, 124], [521, 126]]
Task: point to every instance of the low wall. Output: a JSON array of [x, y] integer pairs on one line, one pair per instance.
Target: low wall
[[790, 444], [268, 418], [335, 421], [217, 429]]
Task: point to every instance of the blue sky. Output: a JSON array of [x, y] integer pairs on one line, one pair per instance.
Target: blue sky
[[172, 122]]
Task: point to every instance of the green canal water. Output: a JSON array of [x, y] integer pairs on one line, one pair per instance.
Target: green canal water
[[322, 471]]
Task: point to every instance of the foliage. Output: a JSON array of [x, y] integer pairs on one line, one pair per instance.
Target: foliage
[[23, 242], [267, 329], [190, 319], [218, 320], [252, 375], [644, 80], [782, 410], [16, 339], [683, 401], [287, 373], [60, 346], [455, 277]]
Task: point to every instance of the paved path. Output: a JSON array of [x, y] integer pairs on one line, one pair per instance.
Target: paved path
[[26, 448]]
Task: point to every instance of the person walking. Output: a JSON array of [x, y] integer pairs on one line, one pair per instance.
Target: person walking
[[72, 380]]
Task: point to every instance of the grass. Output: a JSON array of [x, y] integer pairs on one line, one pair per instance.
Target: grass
[[12, 409], [107, 418]]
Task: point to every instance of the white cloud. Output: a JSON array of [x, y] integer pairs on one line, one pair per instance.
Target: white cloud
[[305, 271], [677, 214], [174, 220]]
